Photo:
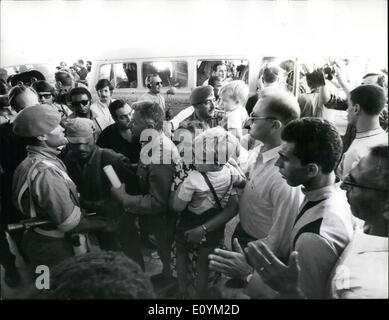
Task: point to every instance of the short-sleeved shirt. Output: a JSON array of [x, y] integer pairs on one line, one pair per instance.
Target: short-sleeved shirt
[[195, 190], [362, 270], [359, 148], [53, 194]]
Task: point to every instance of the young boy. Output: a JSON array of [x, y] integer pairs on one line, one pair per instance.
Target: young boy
[[233, 97], [201, 198]]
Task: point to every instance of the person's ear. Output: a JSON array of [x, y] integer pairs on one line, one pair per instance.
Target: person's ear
[[42, 137], [277, 125], [356, 108], [312, 169]]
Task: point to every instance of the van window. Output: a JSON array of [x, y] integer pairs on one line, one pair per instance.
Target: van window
[[235, 69], [286, 70], [121, 75], [106, 72], [125, 75], [172, 73]]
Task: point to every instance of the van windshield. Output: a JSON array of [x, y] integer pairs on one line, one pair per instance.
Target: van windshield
[[225, 69], [172, 73]]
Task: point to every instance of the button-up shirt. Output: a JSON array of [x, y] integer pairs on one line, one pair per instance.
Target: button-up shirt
[[268, 205], [102, 114]]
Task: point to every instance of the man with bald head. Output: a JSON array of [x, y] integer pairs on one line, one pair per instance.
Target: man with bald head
[[268, 204]]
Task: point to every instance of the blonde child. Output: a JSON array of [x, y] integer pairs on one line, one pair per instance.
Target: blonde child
[[201, 198], [233, 97]]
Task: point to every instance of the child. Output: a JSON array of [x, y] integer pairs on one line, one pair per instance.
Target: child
[[233, 97], [201, 198]]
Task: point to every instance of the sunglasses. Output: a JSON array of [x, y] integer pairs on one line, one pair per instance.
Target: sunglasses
[[45, 95], [79, 103], [158, 83], [356, 185]]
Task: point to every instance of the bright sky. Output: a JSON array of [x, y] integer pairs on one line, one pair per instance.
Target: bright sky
[[38, 31]]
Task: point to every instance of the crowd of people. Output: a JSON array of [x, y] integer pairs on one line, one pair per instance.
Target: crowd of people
[[308, 206]]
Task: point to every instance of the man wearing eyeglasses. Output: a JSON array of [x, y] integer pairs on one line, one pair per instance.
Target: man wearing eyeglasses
[[324, 224], [154, 83], [80, 98], [362, 270], [268, 205]]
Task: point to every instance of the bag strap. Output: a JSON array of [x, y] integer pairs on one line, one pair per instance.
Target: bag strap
[[212, 190]]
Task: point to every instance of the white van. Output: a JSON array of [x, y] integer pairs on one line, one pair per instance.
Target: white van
[[184, 73]]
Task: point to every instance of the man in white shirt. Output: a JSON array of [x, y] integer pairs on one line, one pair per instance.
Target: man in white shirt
[[365, 104], [154, 83], [268, 205], [324, 225], [362, 270], [101, 107]]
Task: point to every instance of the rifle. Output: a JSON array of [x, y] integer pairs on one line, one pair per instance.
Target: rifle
[[33, 223]]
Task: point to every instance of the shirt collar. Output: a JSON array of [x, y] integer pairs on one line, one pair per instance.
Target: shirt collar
[[103, 105], [368, 133], [45, 151], [321, 193], [269, 154]]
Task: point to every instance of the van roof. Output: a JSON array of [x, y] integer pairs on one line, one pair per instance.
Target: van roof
[[181, 51]]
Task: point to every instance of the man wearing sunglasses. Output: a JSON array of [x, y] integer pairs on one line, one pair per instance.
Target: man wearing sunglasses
[[80, 98], [154, 83], [46, 95]]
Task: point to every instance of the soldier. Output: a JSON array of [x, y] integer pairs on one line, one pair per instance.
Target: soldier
[[42, 189]]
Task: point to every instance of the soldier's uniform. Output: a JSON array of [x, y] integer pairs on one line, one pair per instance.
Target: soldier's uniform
[[43, 189]]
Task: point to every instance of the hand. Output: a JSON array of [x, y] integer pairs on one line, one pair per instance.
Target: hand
[[232, 264], [274, 273], [195, 235]]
